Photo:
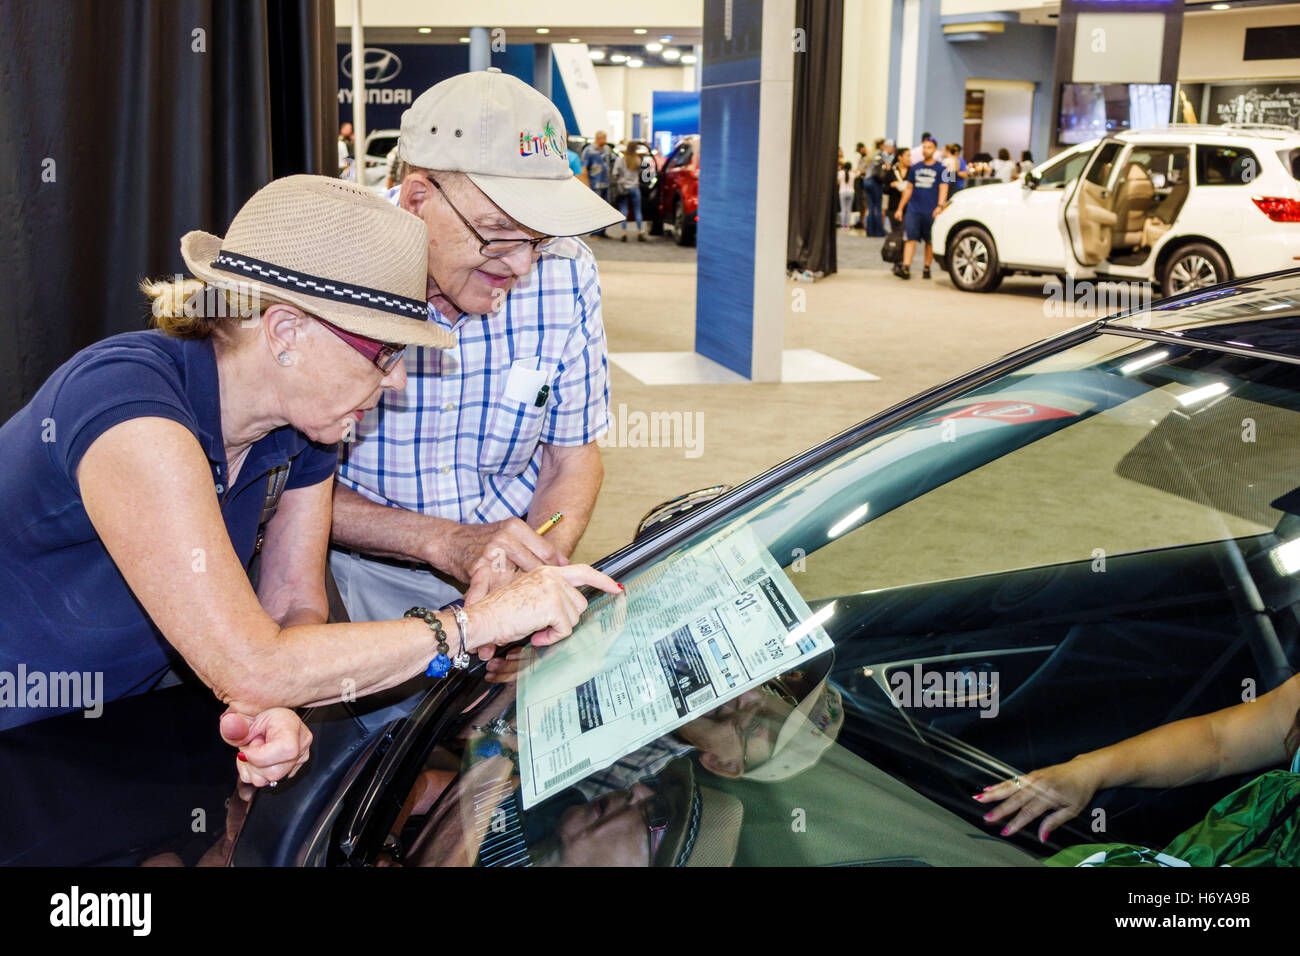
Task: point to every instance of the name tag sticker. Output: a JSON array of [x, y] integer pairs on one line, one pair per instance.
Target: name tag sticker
[[523, 383]]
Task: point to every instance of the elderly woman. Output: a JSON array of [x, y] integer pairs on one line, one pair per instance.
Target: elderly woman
[[151, 467]]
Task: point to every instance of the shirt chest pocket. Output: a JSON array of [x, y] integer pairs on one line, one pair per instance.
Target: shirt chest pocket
[[514, 424]]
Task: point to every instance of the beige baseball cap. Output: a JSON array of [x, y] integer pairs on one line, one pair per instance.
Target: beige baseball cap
[[810, 728], [510, 141]]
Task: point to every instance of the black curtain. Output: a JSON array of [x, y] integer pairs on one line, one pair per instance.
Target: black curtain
[[815, 130], [123, 126]]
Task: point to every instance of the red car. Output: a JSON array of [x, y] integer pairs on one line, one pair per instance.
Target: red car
[[679, 191]]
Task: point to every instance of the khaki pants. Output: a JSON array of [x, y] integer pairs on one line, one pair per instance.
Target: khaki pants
[[377, 591]]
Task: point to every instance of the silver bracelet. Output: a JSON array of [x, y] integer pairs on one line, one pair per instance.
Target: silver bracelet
[[461, 660]]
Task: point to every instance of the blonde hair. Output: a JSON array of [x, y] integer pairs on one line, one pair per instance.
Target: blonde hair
[[187, 308]]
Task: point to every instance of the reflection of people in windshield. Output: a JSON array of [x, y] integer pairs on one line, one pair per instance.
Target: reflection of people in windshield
[[668, 820], [647, 809], [769, 733]]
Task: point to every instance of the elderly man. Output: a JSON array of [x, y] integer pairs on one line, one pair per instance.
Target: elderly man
[[493, 436], [598, 163]]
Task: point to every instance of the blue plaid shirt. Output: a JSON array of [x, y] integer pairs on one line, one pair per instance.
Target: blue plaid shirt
[[454, 444]]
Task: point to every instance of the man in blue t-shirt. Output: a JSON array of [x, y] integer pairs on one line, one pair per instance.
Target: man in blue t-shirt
[[923, 196], [596, 160]]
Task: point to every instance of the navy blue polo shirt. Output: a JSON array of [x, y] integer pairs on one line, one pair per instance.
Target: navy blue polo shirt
[[925, 180], [64, 606]]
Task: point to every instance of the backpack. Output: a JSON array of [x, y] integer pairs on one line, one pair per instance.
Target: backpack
[[891, 250], [879, 171]]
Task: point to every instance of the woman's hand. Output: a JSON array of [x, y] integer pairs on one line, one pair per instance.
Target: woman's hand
[[1062, 791], [545, 603], [273, 745]]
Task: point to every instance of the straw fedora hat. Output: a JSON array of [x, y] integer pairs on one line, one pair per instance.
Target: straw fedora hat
[[334, 250]]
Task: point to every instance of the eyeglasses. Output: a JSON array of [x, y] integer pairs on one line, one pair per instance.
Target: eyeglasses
[[495, 248], [384, 355]]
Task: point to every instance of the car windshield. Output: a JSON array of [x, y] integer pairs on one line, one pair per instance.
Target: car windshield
[[1057, 173], [1091, 545]]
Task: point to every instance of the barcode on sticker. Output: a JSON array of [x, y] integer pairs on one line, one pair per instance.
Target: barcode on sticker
[[576, 769], [700, 697]]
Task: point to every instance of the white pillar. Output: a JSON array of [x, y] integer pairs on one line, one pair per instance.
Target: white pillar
[[480, 49], [772, 209], [358, 96]]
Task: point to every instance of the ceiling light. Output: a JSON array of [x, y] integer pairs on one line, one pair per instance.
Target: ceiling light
[[635, 62], [689, 58], [672, 53], [1202, 394], [810, 625], [596, 54], [847, 522], [639, 31], [1286, 557], [665, 39], [464, 39], [654, 47], [1219, 6], [575, 40], [543, 29], [618, 58], [1146, 361], [425, 30]]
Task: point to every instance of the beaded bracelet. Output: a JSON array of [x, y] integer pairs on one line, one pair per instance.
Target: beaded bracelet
[[441, 663]]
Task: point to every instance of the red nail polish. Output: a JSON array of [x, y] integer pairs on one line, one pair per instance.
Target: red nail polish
[[1006, 830], [989, 814], [978, 796], [242, 756], [620, 587]]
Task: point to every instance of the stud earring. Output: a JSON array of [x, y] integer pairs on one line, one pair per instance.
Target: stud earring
[[284, 358]]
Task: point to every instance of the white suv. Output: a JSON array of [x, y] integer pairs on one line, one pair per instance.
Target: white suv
[[1182, 206]]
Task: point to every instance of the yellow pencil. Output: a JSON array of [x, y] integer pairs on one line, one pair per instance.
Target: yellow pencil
[[550, 523]]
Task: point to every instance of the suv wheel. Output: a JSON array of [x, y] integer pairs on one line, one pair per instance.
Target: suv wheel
[[973, 261], [1193, 267]]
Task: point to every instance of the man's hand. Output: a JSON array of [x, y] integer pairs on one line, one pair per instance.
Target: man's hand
[[273, 745], [898, 214], [487, 556]]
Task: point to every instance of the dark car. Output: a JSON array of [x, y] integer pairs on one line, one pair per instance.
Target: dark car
[[1089, 537]]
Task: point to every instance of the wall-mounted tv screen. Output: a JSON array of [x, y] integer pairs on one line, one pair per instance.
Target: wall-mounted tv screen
[[1091, 110]]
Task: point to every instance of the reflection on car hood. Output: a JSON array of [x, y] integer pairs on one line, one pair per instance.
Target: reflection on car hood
[[1257, 314]]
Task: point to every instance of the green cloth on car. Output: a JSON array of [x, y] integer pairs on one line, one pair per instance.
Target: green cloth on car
[[1255, 825]]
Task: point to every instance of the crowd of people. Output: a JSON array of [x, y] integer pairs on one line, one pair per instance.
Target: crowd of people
[[616, 178], [875, 193]]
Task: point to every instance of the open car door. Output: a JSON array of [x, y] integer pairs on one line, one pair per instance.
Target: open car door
[[1089, 214]]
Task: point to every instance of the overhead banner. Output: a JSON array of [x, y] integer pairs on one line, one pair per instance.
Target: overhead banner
[[579, 77]]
